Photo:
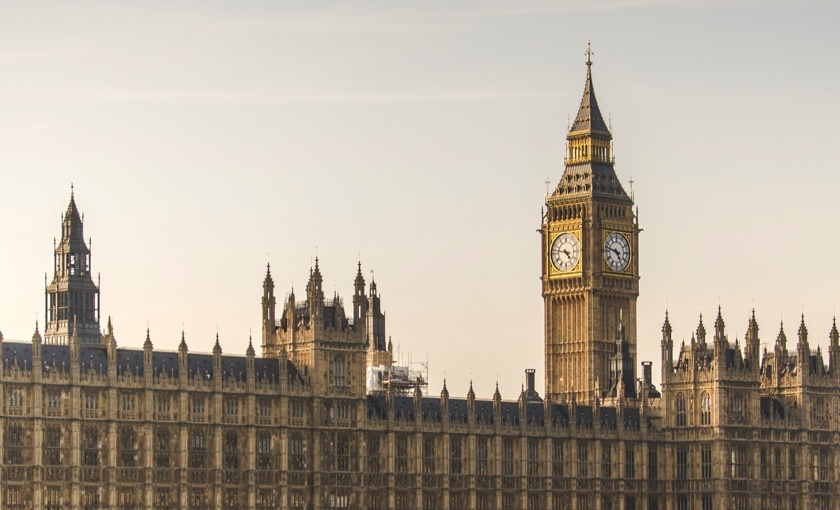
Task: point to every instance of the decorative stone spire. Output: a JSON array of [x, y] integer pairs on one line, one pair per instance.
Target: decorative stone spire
[[444, 394], [834, 350], [667, 344], [720, 335], [36, 336], [803, 337], [250, 350], [269, 308], [781, 339], [701, 331], [147, 345], [217, 348], [471, 393], [182, 347], [752, 343], [359, 299], [315, 295]]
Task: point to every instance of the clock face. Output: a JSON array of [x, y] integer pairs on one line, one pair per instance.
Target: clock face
[[565, 252], [617, 252]]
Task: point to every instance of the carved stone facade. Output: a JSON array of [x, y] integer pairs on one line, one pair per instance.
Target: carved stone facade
[[85, 424]]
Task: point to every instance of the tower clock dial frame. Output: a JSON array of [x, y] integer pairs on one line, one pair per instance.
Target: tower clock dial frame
[[617, 252], [565, 252]]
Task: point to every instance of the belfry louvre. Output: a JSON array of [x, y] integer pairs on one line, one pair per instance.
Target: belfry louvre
[[319, 421]]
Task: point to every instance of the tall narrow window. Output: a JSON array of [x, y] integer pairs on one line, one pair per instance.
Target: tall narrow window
[[793, 458], [373, 463], [777, 464], [401, 460], [507, 457], [706, 461], [127, 447], [630, 462], [682, 463], [557, 459], [739, 411], [606, 460], [429, 455], [481, 466], [534, 458], [739, 462], [90, 447], [230, 458], [705, 409], [264, 451], [163, 448], [764, 463], [198, 449], [653, 468], [52, 446], [338, 370], [583, 460], [297, 452], [681, 410], [14, 444], [455, 455]]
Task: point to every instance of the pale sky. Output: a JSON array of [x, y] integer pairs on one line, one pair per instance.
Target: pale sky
[[205, 139]]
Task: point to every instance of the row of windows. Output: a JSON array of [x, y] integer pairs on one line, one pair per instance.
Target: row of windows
[[338, 454], [163, 403], [680, 408]]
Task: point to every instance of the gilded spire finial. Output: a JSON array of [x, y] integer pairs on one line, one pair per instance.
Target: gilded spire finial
[[589, 52]]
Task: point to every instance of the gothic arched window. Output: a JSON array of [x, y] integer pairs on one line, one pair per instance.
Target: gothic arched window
[[232, 446], [90, 447], [163, 448], [739, 411], [681, 408], [127, 447], [705, 409], [14, 444], [338, 372], [198, 449], [818, 412]]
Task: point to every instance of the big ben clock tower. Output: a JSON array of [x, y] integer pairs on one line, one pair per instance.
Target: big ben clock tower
[[590, 266]]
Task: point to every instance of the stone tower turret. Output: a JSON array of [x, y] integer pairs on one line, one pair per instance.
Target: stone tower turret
[[72, 299], [590, 267]]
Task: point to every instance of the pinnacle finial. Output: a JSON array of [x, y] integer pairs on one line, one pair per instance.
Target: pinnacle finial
[[589, 52]]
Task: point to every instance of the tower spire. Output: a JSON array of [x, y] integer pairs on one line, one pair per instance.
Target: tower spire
[[589, 118]]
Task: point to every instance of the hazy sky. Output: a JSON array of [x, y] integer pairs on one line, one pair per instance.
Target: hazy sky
[[207, 138]]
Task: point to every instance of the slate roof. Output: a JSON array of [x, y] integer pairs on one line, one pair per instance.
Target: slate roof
[[632, 418], [590, 179], [608, 417], [589, 116], [130, 361], [584, 417], [377, 407]]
